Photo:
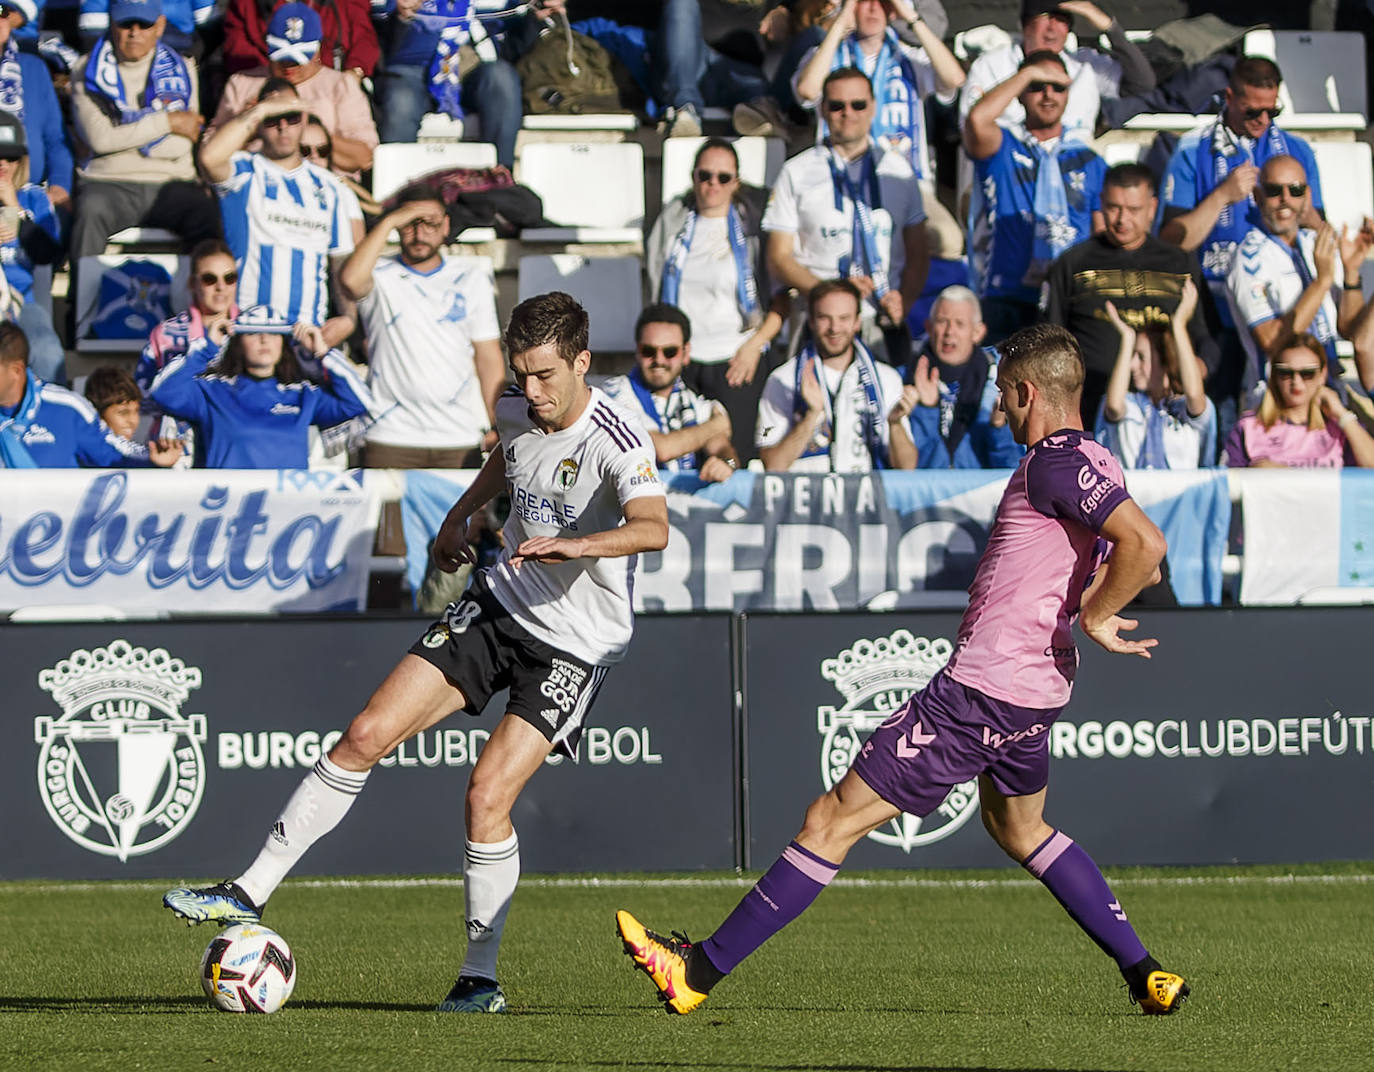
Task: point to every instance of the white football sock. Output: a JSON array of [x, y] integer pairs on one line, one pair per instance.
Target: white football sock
[[490, 873], [315, 808]]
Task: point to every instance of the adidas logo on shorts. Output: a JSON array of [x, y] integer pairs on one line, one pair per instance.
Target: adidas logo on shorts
[[550, 715]]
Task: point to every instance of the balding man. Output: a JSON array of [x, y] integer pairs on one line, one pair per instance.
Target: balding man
[[1284, 273]]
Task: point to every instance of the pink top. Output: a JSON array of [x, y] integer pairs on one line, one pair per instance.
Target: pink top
[[1015, 642], [1294, 445]]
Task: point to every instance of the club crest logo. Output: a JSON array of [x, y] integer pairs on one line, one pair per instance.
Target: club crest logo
[[121, 770], [566, 476], [876, 678], [295, 29]]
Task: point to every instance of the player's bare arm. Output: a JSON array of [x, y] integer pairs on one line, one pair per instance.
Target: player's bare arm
[[451, 547], [645, 529], [1138, 549]]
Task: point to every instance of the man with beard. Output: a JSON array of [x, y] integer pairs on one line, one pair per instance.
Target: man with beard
[[832, 408], [690, 433], [284, 218]]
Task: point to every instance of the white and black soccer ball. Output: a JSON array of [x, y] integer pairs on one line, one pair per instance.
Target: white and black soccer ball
[[248, 968]]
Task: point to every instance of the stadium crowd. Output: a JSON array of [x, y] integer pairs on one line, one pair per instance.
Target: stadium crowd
[[847, 319]]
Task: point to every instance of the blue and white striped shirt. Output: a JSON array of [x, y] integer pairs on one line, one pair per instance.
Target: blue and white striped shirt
[[283, 227]]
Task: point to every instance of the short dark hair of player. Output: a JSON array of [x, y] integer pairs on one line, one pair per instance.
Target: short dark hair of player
[[14, 344], [209, 247], [231, 363], [663, 313], [416, 192], [554, 317], [1125, 176], [1043, 55], [1048, 356], [1257, 72], [839, 74], [830, 286], [110, 385], [276, 85]]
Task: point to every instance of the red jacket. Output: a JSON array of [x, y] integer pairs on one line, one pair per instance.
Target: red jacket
[[245, 34]]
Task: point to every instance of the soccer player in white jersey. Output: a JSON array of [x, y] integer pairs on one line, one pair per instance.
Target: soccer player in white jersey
[[433, 340], [286, 219], [988, 712], [546, 621]]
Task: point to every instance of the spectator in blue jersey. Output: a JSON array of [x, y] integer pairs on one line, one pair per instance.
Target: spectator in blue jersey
[[704, 256], [184, 18], [1208, 187], [956, 422], [1155, 413], [907, 63], [1037, 190], [43, 426], [251, 404], [289, 222], [137, 109], [445, 55], [31, 232], [26, 91]]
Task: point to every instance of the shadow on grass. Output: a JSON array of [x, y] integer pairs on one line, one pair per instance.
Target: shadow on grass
[[143, 1005]]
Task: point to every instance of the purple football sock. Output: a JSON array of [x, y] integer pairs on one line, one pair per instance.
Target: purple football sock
[[1070, 874], [779, 897]]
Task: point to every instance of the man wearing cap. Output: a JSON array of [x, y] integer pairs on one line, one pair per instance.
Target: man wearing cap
[[1046, 24], [349, 44], [26, 92], [138, 111], [288, 222], [184, 18], [1037, 190], [294, 39]]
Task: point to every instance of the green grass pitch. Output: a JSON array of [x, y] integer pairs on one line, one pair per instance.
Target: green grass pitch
[[888, 971]]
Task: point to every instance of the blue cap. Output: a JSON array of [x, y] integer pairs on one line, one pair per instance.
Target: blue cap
[[262, 320], [294, 34], [131, 10]]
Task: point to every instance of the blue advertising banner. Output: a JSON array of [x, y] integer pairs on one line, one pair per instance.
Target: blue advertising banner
[[194, 541]]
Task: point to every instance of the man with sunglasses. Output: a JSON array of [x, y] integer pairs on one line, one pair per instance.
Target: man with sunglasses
[[1208, 186], [1037, 191], [137, 110], [849, 209], [294, 53], [289, 223], [1283, 273], [690, 433]]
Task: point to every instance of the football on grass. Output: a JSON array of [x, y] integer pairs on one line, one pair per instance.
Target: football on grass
[[248, 968]]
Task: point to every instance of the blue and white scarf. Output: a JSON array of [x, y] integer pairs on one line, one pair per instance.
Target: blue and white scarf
[[11, 81], [675, 416], [13, 453], [168, 88], [1152, 453], [874, 409], [865, 258], [1321, 326], [457, 25], [898, 111], [746, 286], [1217, 156], [1054, 228]]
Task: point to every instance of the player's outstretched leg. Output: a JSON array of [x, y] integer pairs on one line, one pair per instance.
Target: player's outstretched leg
[[1076, 882]]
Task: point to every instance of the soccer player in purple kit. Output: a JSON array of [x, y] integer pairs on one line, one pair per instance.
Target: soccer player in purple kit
[[988, 712]]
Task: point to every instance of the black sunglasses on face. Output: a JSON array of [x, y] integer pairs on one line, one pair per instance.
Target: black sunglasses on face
[[290, 119], [1275, 189], [209, 279], [670, 352], [1040, 87], [1252, 114], [724, 178], [322, 151], [835, 106], [1287, 372]]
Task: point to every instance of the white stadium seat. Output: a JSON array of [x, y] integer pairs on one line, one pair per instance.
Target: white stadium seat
[[624, 121], [1323, 72], [609, 288], [396, 163], [1347, 180], [760, 160], [594, 191]]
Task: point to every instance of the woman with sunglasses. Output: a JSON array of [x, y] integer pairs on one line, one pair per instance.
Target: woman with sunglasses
[[252, 403], [1301, 423], [704, 256]]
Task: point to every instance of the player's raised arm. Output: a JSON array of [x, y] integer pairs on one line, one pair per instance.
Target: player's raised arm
[[645, 529], [1134, 565], [451, 548]]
